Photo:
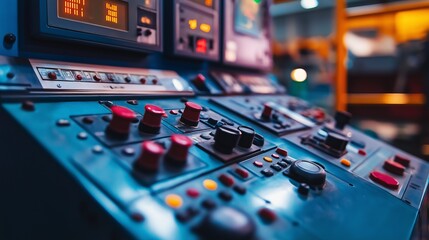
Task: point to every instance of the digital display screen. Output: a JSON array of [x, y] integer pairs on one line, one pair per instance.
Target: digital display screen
[[207, 3], [248, 17], [105, 13]]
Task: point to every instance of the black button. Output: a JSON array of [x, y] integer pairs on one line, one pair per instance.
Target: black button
[[282, 164], [82, 135], [209, 204], [239, 189], [106, 118], [276, 167], [226, 196], [267, 172], [63, 123], [183, 99], [183, 216], [28, 106], [133, 102], [287, 160], [88, 120], [212, 121], [227, 121], [108, 104], [128, 151], [206, 136], [303, 189]]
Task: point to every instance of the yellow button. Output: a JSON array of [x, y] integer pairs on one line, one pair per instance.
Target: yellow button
[[210, 184], [268, 159], [173, 200], [346, 162]]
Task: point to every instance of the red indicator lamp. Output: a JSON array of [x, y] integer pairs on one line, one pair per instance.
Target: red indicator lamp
[[201, 45]]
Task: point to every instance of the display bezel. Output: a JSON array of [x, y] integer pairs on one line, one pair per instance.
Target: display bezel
[[51, 25]]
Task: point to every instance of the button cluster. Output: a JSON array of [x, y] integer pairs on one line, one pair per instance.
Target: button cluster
[[396, 166], [96, 76]]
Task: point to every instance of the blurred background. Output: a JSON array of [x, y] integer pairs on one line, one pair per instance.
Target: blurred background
[[369, 57]]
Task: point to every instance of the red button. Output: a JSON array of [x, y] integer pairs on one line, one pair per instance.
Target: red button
[[243, 173], [384, 180], [402, 160], [362, 152], [79, 77], [266, 113], [96, 78], [121, 121], [200, 80], [226, 179], [267, 215], [142, 80], [178, 152], [281, 152], [150, 156], [52, 75], [192, 192], [394, 167], [151, 122], [191, 114], [275, 156], [258, 164]]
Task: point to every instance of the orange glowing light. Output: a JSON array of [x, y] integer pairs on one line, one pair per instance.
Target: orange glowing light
[[145, 20], [193, 23], [208, 3], [205, 27]]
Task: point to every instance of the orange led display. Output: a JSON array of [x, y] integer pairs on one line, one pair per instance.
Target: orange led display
[[105, 13]]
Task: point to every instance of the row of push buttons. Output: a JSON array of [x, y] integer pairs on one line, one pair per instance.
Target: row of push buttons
[[71, 75], [396, 166], [276, 166]]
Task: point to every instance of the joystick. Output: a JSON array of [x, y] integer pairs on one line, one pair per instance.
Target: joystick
[[308, 172], [342, 118]]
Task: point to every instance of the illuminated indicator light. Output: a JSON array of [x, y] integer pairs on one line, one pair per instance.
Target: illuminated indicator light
[[145, 20], [346, 162], [210, 184], [173, 201], [281, 151], [193, 23], [201, 45], [362, 152], [208, 3], [268, 159], [276, 156], [258, 164], [298, 75], [309, 4], [205, 27], [192, 192]]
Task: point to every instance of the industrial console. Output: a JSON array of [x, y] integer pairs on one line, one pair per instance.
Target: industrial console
[[146, 119]]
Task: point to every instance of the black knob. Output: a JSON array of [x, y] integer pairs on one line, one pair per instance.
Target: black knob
[[228, 224], [308, 172], [342, 118], [226, 138], [247, 136], [336, 141]]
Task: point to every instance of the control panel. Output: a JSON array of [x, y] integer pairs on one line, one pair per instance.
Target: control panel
[[117, 134], [196, 28], [63, 76]]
